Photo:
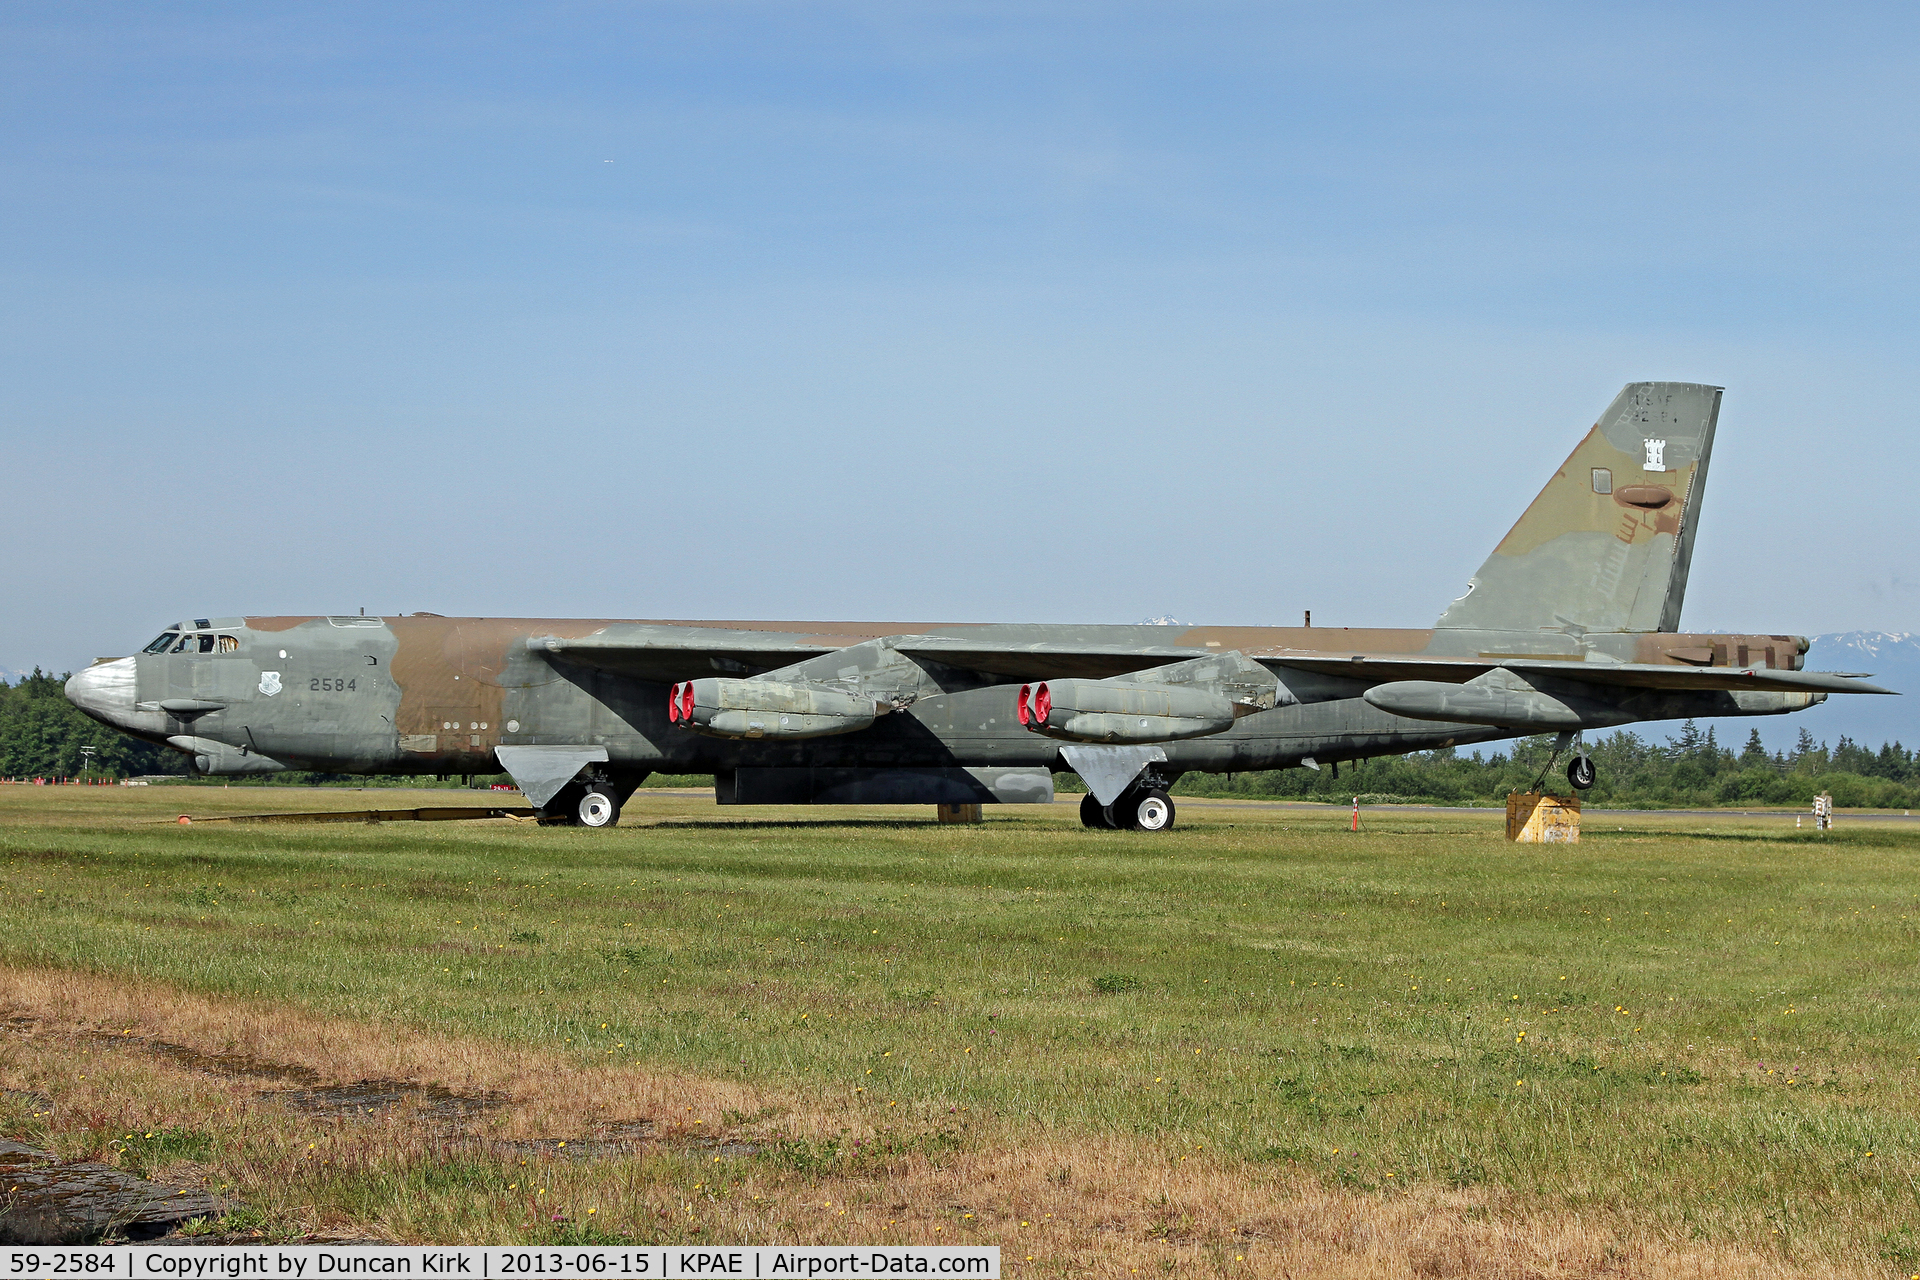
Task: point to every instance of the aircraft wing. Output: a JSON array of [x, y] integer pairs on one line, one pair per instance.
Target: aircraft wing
[[1061, 661], [1632, 675], [1045, 661], [670, 654]]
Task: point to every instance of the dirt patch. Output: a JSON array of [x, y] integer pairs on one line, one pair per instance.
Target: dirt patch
[[429, 1103], [444, 1114], [231, 1066]]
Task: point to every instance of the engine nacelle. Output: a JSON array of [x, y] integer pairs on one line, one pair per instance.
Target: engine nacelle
[[730, 708], [1115, 711]]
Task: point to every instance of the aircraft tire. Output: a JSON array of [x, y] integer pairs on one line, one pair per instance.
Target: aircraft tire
[[1581, 774], [1151, 811], [563, 809], [1094, 814], [598, 807]]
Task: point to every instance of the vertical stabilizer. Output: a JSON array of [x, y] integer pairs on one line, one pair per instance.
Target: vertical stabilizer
[[1606, 545]]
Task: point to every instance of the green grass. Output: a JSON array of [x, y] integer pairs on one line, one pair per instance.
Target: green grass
[[1707, 1025]]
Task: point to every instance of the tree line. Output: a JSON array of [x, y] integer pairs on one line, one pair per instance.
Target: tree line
[[41, 735], [1689, 769]]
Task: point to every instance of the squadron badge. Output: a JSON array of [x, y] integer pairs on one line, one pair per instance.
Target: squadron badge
[[269, 682]]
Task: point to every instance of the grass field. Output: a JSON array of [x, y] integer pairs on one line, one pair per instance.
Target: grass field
[[1259, 1044]]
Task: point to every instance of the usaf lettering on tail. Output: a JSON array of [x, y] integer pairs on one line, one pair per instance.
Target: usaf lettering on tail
[[1571, 624]]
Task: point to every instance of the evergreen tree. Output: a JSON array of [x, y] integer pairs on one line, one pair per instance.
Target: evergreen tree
[[1802, 748], [41, 735]]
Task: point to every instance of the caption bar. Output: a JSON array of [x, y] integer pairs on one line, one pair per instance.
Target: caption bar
[[314, 1262]]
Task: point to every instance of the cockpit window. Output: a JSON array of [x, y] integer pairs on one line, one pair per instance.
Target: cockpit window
[[160, 643], [229, 645], [206, 644]]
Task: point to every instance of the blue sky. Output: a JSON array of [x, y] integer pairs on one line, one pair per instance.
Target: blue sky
[[922, 312]]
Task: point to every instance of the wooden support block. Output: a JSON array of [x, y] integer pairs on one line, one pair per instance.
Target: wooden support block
[[959, 813], [1533, 818]]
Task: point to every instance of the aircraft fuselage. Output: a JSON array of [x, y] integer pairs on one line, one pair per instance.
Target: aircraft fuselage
[[425, 694]]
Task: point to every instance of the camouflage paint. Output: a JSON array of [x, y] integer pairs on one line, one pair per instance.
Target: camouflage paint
[[1571, 616]]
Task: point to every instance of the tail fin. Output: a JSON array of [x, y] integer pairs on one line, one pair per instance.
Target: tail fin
[[1606, 545]]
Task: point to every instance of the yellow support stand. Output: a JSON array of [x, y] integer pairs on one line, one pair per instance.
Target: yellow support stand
[[1534, 818]]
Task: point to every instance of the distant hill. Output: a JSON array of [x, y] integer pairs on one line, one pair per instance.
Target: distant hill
[[1893, 658]]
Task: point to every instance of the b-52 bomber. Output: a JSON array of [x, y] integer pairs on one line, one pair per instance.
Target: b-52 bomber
[[1570, 625]]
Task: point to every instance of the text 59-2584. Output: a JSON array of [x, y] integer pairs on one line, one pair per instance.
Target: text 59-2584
[[76, 1263]]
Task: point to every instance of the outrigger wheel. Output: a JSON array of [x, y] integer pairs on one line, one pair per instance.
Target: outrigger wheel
[[1581, 773]]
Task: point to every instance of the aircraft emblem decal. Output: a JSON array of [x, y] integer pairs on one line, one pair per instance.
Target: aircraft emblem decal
[[1656, 455], [269, 682]]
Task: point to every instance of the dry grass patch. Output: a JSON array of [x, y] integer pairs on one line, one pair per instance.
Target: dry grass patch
[[823, 1173], [548, 1094]]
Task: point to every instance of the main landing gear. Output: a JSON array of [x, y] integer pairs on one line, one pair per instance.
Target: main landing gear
[[1139, 808], [588, 802]]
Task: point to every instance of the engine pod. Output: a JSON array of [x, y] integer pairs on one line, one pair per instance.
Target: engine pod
[[731, 708], [1120, 711]]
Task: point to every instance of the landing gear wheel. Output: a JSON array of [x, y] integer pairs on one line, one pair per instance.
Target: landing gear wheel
[[1152, 811], [562, 810], [1094, 814], [1581, 773], [598, 807]]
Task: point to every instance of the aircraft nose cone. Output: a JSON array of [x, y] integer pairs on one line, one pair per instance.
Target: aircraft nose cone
[[104, 691]]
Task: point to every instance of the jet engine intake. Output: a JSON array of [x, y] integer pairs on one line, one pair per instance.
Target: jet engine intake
[[1117, 711], [731, 708]]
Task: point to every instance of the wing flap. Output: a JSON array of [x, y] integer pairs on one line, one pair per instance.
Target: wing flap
[[1661, 676], [1631, 675]]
